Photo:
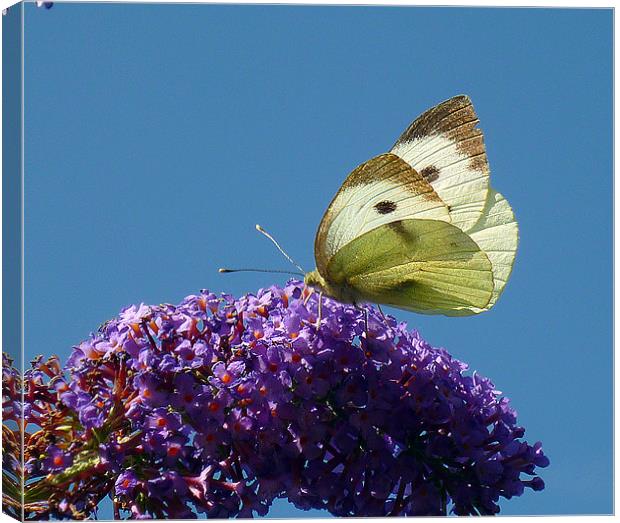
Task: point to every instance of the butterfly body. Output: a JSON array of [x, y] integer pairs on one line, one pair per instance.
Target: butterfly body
[[419, 227], [342, 291]]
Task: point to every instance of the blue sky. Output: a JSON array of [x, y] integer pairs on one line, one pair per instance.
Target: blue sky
[[157, 136]]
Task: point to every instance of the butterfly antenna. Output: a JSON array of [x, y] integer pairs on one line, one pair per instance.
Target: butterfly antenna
[[225, 270], [264, 232]]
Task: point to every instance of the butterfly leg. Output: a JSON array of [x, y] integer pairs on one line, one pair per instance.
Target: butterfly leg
[[310, 293], [381, 311], [320, 314]]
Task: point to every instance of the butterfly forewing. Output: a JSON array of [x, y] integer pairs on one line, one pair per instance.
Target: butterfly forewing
[[382, 190], [426, 266], [445, 146]]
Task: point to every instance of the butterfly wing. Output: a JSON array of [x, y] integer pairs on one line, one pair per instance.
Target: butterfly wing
[[445, 146], [427, 266], [382, 190], [497, 234]]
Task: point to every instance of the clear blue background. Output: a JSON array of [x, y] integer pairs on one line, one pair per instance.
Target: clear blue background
[[157, 136]]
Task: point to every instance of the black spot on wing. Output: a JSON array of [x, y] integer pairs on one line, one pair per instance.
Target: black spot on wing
[[430, 173], [385, 207]]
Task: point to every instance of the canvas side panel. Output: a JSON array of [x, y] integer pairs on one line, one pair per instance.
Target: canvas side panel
[[12, 234]]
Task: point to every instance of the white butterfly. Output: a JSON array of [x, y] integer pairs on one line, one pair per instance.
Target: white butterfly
[[419, 227]]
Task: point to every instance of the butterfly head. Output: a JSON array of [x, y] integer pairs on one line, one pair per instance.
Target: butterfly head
[[314, 279], [337, 290]]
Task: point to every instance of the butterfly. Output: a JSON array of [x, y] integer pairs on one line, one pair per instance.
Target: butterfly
[[419, 228]]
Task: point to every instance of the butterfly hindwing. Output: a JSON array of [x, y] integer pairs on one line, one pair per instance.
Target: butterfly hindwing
[[427, 266], [445, 146], [382, 190], [497, 233]]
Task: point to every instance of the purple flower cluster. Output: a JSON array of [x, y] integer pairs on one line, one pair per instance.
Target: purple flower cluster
[[218, 406]]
